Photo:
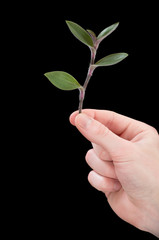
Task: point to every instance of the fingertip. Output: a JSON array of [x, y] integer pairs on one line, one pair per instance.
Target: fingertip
[[103, 184], [72, 117], [89, 112], [90, 177]]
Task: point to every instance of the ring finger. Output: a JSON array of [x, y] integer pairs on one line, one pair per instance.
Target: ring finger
[[104, 168]]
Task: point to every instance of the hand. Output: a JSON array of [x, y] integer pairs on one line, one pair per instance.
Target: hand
[[125, 163]]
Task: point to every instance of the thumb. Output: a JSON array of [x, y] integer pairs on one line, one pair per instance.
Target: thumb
[[97, 133]]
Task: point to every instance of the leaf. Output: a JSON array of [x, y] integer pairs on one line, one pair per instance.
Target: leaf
[[107, 31], [111, 59], [92, 34], [62, 80], [81, 34]]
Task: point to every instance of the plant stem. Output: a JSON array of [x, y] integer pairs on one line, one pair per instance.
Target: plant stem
[[81, 98], [89, 75]]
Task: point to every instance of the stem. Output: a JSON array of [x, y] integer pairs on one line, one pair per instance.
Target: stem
[[81, 98], [89, 75]]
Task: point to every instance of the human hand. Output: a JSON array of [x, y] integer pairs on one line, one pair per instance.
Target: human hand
[[125, 163]]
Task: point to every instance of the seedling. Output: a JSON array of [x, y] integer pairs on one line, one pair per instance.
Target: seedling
[[65, 81]]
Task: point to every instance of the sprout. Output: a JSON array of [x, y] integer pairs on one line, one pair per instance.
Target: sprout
[[65, 81]]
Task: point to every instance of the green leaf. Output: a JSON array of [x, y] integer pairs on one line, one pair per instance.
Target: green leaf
[[111, 59], [92, 34], [107, 31], [62, 80], [81, 34]]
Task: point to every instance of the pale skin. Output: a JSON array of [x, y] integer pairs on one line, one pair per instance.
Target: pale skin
[[125, 164]]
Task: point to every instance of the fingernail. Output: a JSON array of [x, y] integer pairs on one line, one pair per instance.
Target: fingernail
[[83, 120], [117, 186]]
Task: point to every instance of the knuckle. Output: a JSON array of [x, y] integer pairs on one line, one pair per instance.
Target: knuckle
[[103, 155], [89, 155], [153, 129]]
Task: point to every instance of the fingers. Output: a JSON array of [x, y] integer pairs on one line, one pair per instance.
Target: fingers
[[104, 168], [99, 134], [101, 152], [103, 178], [121, 125], [103, 184]]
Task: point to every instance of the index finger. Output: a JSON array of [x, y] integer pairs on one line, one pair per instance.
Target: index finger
[[121, 125]]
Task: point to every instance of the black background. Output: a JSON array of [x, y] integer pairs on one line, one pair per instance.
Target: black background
[[49, 189]]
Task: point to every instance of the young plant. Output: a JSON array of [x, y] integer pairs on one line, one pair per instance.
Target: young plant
[[65, 81]]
